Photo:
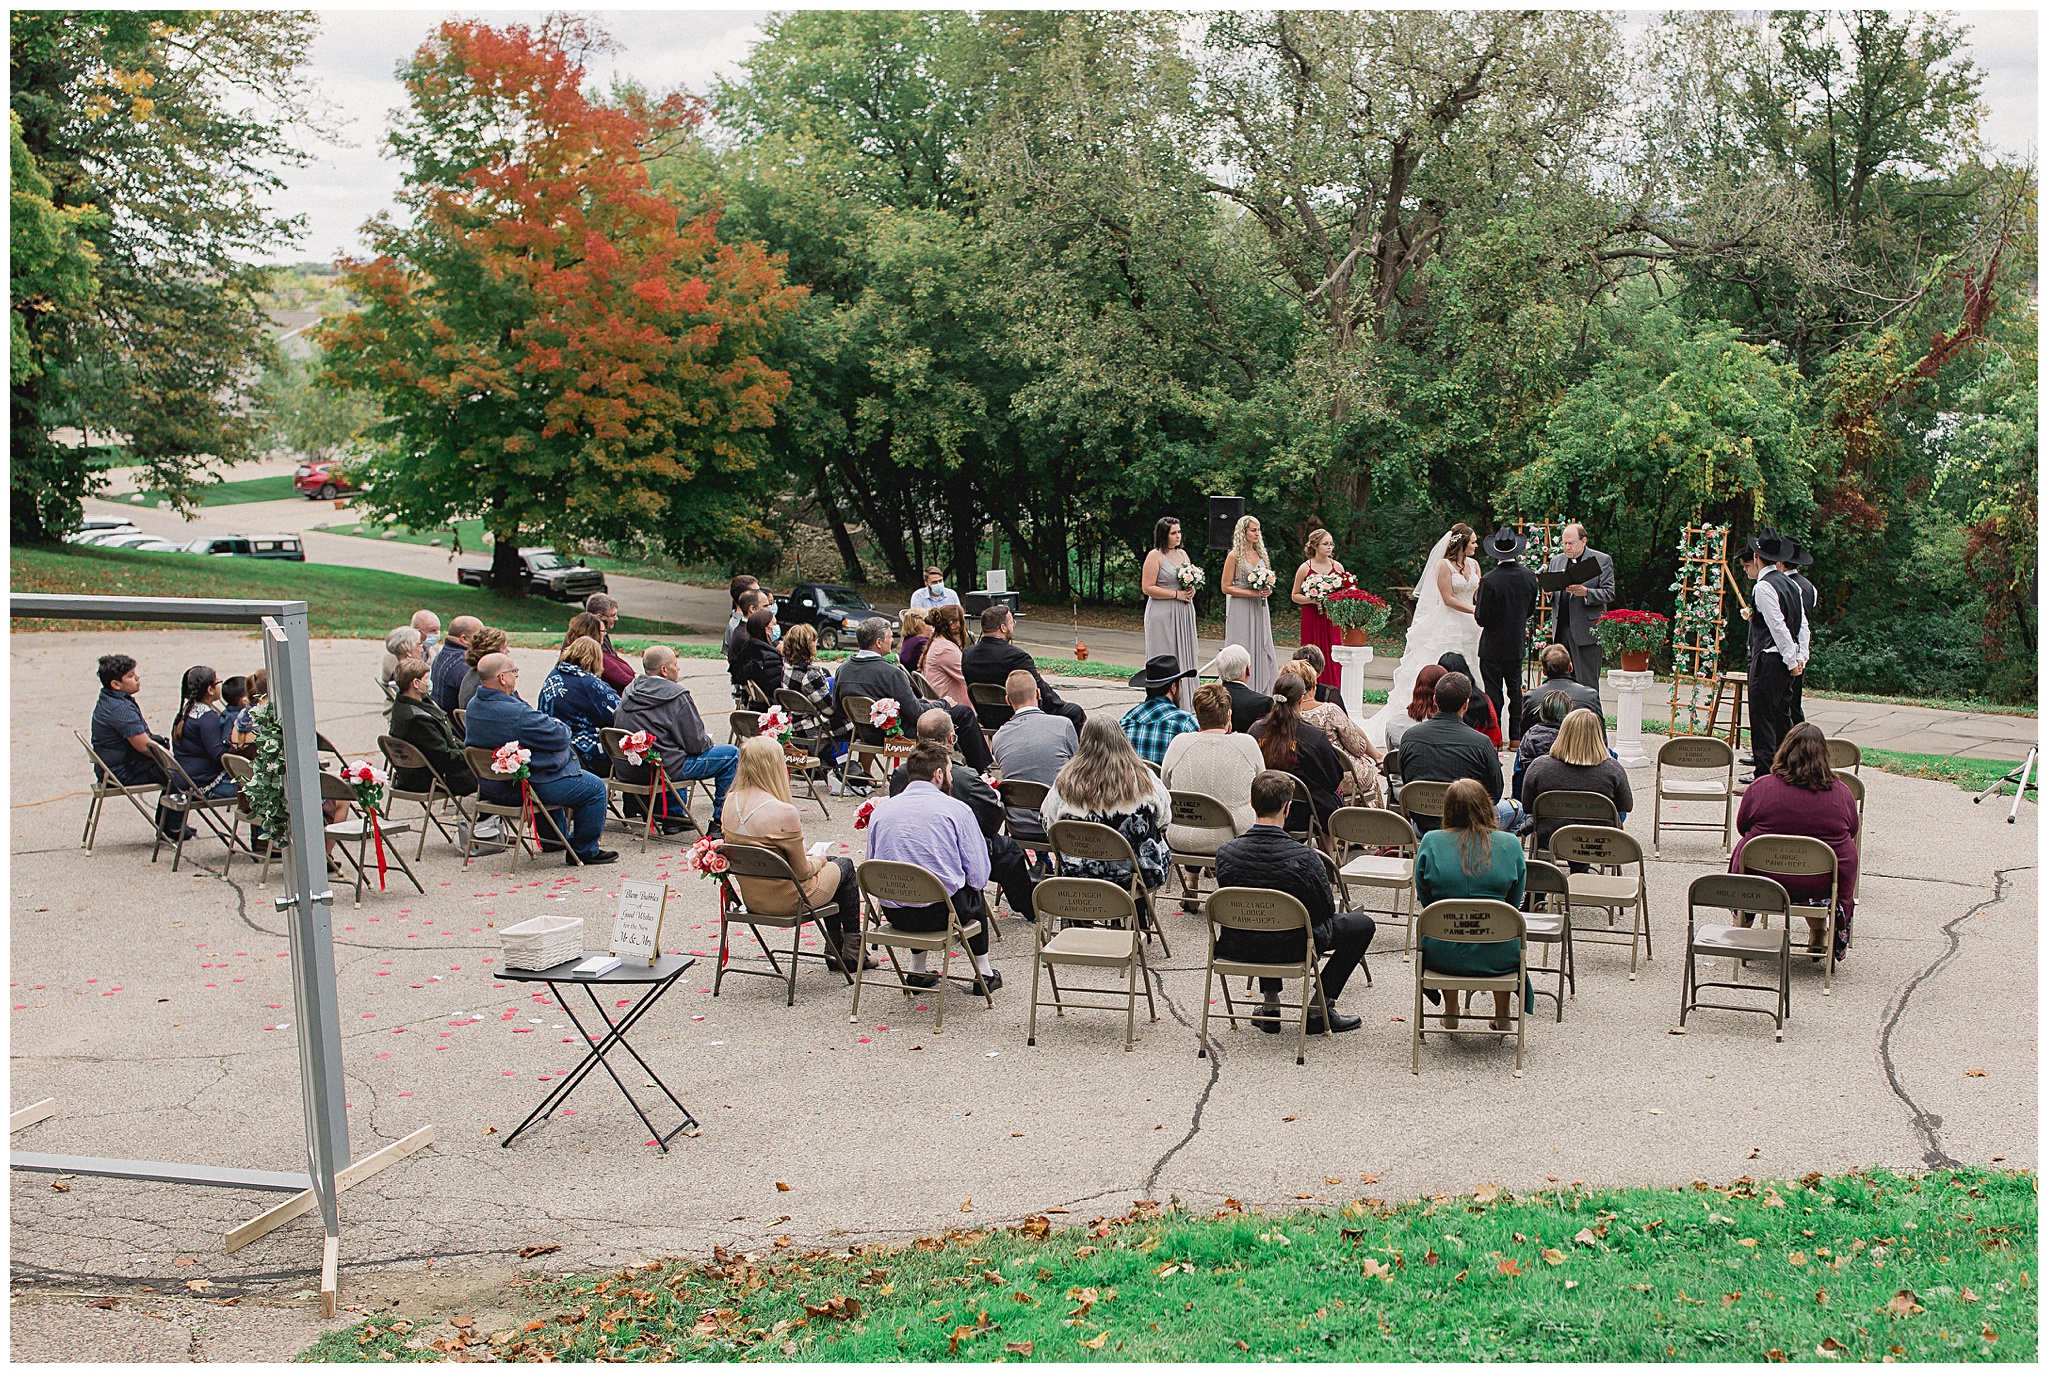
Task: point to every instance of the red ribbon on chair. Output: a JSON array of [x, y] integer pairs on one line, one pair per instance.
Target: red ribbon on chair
[[377, 837], [661, 783], [526, 816]]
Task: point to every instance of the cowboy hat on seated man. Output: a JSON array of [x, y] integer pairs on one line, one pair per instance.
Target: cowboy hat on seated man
[[1156, 721]]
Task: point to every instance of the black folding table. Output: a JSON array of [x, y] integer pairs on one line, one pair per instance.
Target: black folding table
[[657, 979]]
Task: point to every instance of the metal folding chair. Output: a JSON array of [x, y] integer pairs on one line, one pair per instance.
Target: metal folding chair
[[1845, 755], [1741, 943], [1792, 855], [1084, 922], [399, 754], [1264, 911], [1360, 835], [480, 764], [363, 827], [1423, 798], [183, 797], [1084, 839], [1602, 846], [760, 863], [905, 884], [991, 705], [105, 784], [1470, 922], [650, 792], [1697, 753], [1576, 807], [1546, 920], [1196, 810]]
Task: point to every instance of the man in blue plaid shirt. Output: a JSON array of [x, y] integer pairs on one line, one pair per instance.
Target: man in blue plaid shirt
[[1153, 723]]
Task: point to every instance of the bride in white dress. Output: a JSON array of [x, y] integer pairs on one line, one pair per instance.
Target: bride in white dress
[[1444, 596]]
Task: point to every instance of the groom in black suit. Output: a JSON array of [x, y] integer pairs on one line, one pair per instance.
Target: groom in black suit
[[1506, 600]]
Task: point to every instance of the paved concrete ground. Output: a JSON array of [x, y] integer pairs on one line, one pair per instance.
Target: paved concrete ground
[[155, 1008]]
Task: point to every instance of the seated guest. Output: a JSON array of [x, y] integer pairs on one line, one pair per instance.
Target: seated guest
[[803, 674], [1556, 661], [400, 644], [1292, 745], [1154, 722], [996, 655], [496, 716], [1034, 744], [1325, 693], [1577, 761], [934, 593], [1467, 859], [1006, 861], [1217, 762], [750, 601], [1421, 705], [764, 814], [416, 720], [242, 730], [1361, 784], [755, 659], [736, 626], [1247, 707], [575, 694], [869, 673], [1479, 711], [941, 662], [121, 739], [916, 634], [199, 734], [1104, 782], [429, 626], [482, 644], [450, 663], [1266, 856], [657, 702], [1444, 748], [234, 701], [1801, 795], [584, 625], [927, 828], [618, 673], [1538, 737]]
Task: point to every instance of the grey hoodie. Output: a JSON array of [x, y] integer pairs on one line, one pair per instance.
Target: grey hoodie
[[665, 710]]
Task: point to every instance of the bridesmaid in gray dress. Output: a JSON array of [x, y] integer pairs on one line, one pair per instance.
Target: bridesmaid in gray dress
[[1248, 615], [1170, 608]]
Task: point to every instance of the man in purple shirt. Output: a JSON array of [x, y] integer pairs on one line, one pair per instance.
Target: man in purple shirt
[[926, 826]]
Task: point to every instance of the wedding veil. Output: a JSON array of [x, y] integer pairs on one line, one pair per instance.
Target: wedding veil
[[1432, 634]]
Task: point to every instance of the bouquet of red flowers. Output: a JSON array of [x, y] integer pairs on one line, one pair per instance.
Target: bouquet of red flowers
[[1352, 608]]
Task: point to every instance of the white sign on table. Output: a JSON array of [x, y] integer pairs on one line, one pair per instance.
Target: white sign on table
[[636, 929]]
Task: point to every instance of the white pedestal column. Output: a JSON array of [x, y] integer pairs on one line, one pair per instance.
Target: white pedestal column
[[1628, 739], [1353, 661]]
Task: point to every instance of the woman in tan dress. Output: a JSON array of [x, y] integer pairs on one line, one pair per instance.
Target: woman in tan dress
[[1362, 785], [759, 811]]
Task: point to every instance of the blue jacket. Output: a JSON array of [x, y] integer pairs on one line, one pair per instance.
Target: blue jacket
[[584, 703], [201, 743], [450, 666], [496, 718]]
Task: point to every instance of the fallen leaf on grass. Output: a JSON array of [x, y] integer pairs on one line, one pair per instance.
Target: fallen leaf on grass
[[1730, 1298], [1821, 1297], [1966, 1295], [1485, 1192], [1904, 1303], [1553, 1257], [1375, 1269], [1096, 1343], [1775, 1355], [1830, 1348], [1797, 1258], [1747, 1242], [839, 1308], [1024, 1297], [462, 1322], [1023, 1347], [534, 1251], [1510, 1268], [1990, 1335], [1587, 1238]]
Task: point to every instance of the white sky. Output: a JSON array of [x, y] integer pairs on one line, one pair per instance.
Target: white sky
[[359, 50]]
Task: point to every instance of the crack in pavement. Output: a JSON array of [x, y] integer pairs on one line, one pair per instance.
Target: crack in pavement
[[1926, 1123], [1201, 1101]]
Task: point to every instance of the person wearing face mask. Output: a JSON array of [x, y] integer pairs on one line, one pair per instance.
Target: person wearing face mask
[[755, 658]]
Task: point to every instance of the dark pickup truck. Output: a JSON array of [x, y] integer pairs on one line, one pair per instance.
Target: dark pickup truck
[[547, 574], [833, 610]]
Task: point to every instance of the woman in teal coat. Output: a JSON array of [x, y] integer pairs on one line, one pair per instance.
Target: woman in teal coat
[[1467, 859]]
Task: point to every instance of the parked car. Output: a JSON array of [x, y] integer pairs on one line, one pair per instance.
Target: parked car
[[282, 546], [139, 542], [548, 573], [321, 480], [833, 610], [97, 530]]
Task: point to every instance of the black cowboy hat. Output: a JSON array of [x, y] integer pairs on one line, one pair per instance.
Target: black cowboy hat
[[1769, 545], [1163, 670], [1505, 543], [1798, 554]]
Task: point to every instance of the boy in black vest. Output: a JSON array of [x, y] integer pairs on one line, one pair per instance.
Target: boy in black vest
[[1778, 641]]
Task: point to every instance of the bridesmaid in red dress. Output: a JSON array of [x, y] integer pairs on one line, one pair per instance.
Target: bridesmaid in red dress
[[1315, 626]]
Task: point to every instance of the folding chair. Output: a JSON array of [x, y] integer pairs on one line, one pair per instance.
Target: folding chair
[[241, 769], [856, 709], [364, 826], [1424, 798], [1749, 896], [480, 764], [1196, 810], [1855, 785], [1844, 754], [1578, 807], [1390, 768], [1153, 768], [184, 797], [1698, 753], [1341, 903], [1301, 816], [744, 858], [105, 784], [323, 744], [1023, 812], [991, 705], [461, 719], [1368, 828], [1604, 846], [399, 754], [390, 691], [1084, 922], [745, 725], [1470, 922], [757, 699], [905, 884], [650, 791], [923, 686], [1791, 855], [1088, 841], [1263, 911], [1546, 920]]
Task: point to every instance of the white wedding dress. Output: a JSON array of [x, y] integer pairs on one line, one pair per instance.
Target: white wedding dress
[[1437, 630]]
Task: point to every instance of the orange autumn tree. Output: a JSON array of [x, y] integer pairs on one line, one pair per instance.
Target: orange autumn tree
[[551, 347]]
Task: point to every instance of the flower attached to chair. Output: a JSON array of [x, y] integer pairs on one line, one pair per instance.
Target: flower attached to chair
[[885, 715], [1190, 576], [1259, 578], [775, 721], [510, 760], [368, 783], [862, 816], [705, 859], [639, 748]]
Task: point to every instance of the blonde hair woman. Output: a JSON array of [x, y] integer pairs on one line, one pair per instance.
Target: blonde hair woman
[[1316, 627], [1577, 761], [916, 634], [1247, 609], [759, 811], [1362, 785], [1107, 783]]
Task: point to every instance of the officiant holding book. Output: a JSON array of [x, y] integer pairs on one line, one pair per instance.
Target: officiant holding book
[[1580, 584]]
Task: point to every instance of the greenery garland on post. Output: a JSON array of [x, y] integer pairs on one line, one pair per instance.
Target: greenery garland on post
[[265, 789]]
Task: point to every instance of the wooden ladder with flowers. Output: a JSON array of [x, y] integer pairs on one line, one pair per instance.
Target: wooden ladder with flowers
[[1698, 627]]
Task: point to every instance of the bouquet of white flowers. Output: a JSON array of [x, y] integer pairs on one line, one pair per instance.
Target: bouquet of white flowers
[[1318, 586], [1191, 576], [1259, 578]]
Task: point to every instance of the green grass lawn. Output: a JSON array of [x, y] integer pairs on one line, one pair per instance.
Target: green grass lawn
[[235, 492], [1868, 1266], [343, 602]]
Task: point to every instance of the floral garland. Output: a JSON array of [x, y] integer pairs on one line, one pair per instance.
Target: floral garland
[[1696, 619], [265, 789]]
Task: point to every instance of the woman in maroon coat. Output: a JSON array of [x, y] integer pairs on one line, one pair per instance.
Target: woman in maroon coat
[[1802, 797]]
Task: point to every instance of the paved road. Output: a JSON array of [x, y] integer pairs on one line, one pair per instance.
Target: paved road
[[1905, 729]]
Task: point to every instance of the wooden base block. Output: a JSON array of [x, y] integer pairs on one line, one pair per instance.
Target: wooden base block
[[301, 1202], [330, 1280], [29, 1115]]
